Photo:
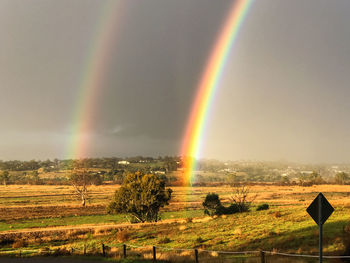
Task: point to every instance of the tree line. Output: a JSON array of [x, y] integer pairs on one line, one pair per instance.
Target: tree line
[[56, 172]]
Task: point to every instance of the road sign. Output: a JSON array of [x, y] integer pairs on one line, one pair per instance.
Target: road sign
[[320, 209], [314, 209]]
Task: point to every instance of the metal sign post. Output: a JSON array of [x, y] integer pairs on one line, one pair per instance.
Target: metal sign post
[[320, 209], [320, 245]]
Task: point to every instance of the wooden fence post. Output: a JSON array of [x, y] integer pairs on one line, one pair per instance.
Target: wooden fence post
[[196, 255], [262, 256], [124, 250], [103, 250], [154, 254]]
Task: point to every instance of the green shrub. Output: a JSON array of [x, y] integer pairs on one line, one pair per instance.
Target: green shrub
[[229, 210], [232, 209], [212, 206], [262, 207]]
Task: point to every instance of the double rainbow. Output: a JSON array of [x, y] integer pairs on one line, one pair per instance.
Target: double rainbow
[[208, 85], [93, 76]]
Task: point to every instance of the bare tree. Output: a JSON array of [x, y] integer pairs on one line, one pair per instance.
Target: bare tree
[[80, 180], [4, 177], [242, 197]]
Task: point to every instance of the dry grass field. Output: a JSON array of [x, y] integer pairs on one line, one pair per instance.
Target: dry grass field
[[40, 201], [31, 201]]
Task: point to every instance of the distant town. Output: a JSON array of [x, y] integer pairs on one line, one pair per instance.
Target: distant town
[[208, 172]]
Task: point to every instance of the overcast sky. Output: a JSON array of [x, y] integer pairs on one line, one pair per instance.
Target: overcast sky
[[283, 95]]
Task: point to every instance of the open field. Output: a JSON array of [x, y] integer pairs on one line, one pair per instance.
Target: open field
[[51, 217], [46, 206]]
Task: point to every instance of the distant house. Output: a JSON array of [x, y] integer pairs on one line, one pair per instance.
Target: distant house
[[124, 162], [159, 172], [306, 172]]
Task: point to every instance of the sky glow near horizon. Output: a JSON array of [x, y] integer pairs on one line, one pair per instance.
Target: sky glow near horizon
[[283, 93]]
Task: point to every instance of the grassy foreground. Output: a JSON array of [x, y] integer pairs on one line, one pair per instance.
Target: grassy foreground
[[285, 227], [288, 229], [279, 229]]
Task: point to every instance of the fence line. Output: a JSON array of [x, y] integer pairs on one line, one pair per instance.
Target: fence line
[[262, 253], [230, 252], [303, 255]]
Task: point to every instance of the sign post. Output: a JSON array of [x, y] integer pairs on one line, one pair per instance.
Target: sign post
[[320, 209]]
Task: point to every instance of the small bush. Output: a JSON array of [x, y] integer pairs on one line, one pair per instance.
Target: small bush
[[122, 235], [277, 214], [189, 220], [164, 240], [232, 209], [18, 244], [262, 207], [223, 210], [242, 198]]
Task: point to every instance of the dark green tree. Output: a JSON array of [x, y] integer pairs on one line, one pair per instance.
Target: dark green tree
[[141, 195], [211, 204]]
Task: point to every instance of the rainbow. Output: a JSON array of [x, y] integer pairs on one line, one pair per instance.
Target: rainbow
[[91, 80], [208, 85]]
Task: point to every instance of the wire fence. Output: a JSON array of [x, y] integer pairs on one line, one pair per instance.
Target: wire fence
[[168, 254]]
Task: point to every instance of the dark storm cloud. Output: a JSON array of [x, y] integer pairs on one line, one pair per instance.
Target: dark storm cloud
[[161, 51], [43, 46], [286, 86], [158, 53], [284, 91]]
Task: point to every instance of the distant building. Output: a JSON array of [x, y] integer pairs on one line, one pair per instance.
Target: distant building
[[306, 172], [159, 172], [124, 162]]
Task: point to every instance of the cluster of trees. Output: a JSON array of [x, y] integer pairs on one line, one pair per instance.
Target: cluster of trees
[[167, 163], [302, 179], [215, 172], [342, 178], [240, 201], [31, 177], [21, 165], [140, 195], [310, 179], [212, 172], [106, 169]]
